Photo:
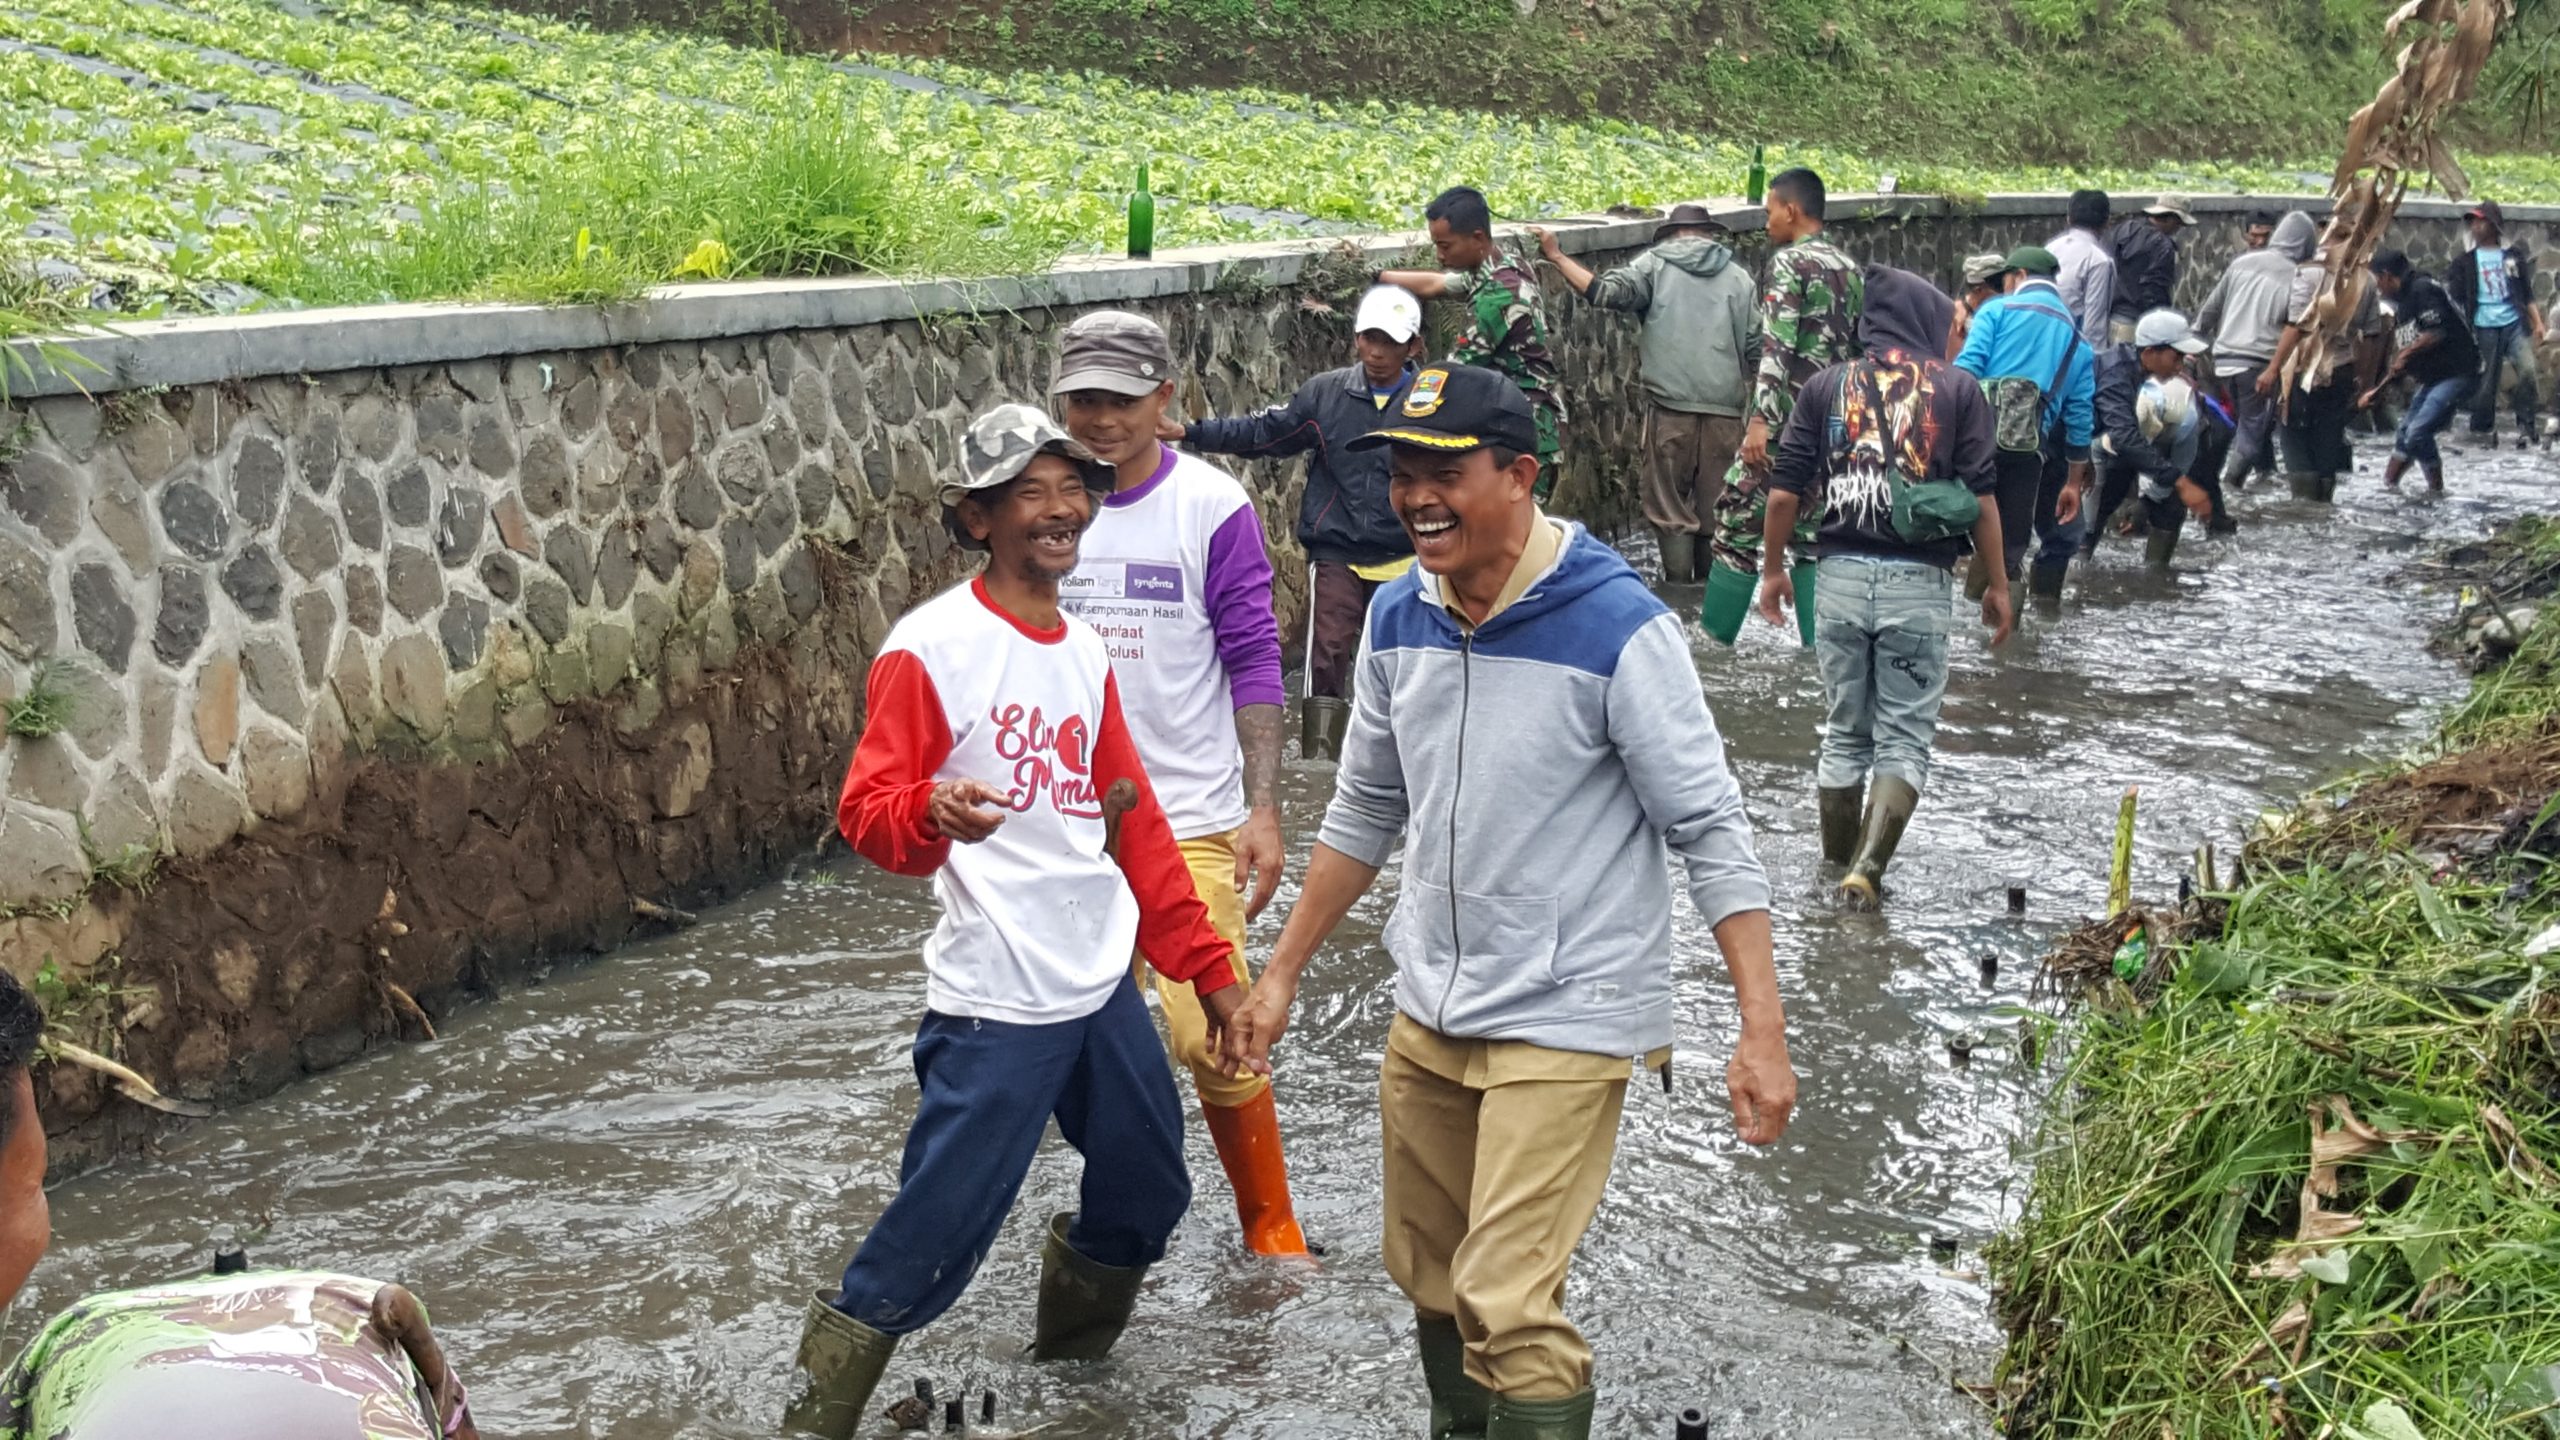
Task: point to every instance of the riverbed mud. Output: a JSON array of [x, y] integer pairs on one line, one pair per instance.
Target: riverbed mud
[[411, 885]]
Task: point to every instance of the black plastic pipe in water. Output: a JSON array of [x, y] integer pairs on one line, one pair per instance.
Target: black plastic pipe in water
[[1692, 1425]]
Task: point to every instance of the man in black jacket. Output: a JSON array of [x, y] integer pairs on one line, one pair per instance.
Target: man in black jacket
[[2491, 284], [2146, 251], [2159, 458], [2434, 348], [1354, 541]]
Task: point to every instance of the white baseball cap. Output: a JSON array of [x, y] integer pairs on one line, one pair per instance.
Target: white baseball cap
[[2167, 327], [1390, 308]]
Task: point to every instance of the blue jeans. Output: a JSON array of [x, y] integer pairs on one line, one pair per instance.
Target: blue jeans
[[2504, 348], [2428, 416], [989, 1091], [1880, 637]]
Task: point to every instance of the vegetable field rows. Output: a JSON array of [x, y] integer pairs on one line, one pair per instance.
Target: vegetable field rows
[[194, 154]]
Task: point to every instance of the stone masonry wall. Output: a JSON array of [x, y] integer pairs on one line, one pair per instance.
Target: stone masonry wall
[[413, 644]]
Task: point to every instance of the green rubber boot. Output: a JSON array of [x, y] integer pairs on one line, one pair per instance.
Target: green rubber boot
[[1890, 801], [1679, 556], [2159, 547], [1084, 1304], [841, 1361], [2302, 484], [1842, 815], [1729, 596], [1802, 574], [1566, 1419], [1977, 579], [2044, 585], [1321, 721], [1459, 1406]]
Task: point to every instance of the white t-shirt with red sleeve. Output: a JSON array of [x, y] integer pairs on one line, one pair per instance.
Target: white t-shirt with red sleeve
[[1037, 921]]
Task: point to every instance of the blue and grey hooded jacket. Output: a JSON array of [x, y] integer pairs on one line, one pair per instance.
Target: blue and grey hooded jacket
[[1536, 770]]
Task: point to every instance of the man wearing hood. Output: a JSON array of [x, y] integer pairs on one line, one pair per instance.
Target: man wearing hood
[[2244, 317], [1699, 338], [1898, 444], [1528, 973]]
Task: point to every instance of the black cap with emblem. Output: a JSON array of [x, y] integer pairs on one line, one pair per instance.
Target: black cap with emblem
[[1455, 408]]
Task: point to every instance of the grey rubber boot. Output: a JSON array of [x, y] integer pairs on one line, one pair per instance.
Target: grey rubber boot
[[2303, 485], [1843, 812], [1084, 1304], [840, 1364], [1977, 578], [1565, 1419], [2159, 547], [1321, 721], [1679, 556], [1890, 801], [1459, 1406], [2044, 584]]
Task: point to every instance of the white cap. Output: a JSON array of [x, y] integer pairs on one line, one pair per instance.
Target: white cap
[[2167, 327], [1390, 308]]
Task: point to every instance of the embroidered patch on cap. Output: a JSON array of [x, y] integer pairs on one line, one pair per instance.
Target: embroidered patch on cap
[[1425, 399]]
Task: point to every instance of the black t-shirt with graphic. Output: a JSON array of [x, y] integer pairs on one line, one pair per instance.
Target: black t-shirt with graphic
[[2425, 309]]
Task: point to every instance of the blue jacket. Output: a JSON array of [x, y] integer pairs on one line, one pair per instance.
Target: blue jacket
[[2025, 335], [1343, 515], [1536, 771]]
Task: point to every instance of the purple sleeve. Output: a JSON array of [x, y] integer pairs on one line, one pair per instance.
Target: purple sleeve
[[1239, 599]]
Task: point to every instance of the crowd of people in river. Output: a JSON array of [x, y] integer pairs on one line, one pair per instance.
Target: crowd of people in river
[[1081, 746]]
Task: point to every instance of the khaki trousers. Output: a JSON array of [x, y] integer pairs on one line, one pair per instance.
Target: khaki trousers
[[1213, 873], [1685, 458], [1492, 1176]]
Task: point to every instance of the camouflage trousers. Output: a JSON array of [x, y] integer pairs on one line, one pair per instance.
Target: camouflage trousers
[[1550, 455], [1742, 519]]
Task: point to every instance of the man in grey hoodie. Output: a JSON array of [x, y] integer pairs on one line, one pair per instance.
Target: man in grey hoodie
[[1519, 685], [1699, 347], [2245, 319]]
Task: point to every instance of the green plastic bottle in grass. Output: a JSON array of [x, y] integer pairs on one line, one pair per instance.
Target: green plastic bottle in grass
[[1142, 219], [2132, 955]]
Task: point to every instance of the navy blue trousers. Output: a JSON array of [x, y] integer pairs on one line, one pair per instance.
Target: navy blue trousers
[[989, 1092]]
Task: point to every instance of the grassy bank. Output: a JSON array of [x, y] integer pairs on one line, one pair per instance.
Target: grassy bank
[[2299, 1179], [219, 154], [2036, 81]]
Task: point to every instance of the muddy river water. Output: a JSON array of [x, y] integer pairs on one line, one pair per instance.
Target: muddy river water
[[615, 1188]]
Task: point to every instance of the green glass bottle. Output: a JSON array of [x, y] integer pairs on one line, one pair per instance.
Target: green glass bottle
[[1142, 219], [1756, 184]]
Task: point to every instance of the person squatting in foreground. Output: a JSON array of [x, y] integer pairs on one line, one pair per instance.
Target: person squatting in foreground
[[995, 759], [1528, 975], [1173, 575]]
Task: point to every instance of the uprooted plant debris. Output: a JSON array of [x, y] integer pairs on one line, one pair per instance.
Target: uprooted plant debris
[[2301, 1175]]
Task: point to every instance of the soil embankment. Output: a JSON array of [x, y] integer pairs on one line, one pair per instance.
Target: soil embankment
[[2302, 1174]]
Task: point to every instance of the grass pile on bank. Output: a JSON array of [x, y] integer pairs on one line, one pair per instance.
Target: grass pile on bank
[[2303, 1183]]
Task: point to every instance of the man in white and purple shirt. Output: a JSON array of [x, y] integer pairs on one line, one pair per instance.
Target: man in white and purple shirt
[[1175, 578]]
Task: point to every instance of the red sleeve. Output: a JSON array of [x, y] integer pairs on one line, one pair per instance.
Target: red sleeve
[[904, 740], [1174, 932]]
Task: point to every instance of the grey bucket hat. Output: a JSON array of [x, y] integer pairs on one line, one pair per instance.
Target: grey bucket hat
[[1113, 350], [1000, 445]]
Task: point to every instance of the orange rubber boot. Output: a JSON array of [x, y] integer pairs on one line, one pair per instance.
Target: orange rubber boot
[[1248, 1141]]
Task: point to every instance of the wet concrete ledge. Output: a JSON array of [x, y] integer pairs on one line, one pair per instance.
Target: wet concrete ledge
[[213, 349]]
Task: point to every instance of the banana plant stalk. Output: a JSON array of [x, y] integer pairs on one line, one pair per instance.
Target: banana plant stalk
[[2120, 878]]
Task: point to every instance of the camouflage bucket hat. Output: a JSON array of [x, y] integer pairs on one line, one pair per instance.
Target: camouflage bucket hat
[[1000, 445]]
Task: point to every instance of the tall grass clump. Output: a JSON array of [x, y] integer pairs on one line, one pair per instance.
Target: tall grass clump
[[811, 186], [2311, 1185]]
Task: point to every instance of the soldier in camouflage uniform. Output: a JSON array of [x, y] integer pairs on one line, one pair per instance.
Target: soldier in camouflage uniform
[[1505, 330], [284, 1355], [1809, 320]]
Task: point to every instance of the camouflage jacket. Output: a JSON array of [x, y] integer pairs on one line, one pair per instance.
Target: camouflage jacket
[[1808, 320], [1505, 332], [290, 1345]]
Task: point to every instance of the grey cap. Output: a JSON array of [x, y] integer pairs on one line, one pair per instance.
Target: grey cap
[[1000, 445], [1984, 268], [1113, 350], [2167, 327]]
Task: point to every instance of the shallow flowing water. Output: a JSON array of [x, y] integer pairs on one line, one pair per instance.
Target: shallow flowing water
[[615, 1189]]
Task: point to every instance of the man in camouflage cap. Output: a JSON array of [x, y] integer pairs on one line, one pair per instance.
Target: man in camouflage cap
[[994, 759], [1809, 312]]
